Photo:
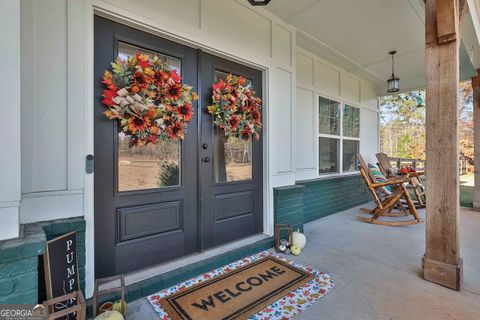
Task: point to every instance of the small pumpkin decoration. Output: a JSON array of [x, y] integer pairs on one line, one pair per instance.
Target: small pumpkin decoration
[[110, 315], [295, 250], [299, 239], [106, 306], [117, 306]]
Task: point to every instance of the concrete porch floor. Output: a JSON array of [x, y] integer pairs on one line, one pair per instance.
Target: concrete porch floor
[[377, 272]]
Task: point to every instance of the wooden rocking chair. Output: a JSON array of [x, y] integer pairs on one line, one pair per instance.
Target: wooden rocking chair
[[385, 204], [385, 166]]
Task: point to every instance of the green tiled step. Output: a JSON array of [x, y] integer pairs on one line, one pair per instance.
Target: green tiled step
[[149, 286]]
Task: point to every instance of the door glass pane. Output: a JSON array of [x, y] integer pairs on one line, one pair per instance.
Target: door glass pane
[[328, 155], [150, 166], [147, 167], [328, 117], [350, 151], [125, 50], [232, 156]]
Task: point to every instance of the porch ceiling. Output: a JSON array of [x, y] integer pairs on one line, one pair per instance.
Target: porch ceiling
[[357, 35]]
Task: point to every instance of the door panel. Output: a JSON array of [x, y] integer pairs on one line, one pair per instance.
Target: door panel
[[232, 190], [145, 196]]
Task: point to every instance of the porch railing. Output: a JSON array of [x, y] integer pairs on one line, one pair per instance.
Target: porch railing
[[417, 164]]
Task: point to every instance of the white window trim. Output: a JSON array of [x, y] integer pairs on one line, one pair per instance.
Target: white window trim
[[340, 137]]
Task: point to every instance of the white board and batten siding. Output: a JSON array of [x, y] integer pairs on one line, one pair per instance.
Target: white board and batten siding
[[57, 61], [10, 193], [319, 78]]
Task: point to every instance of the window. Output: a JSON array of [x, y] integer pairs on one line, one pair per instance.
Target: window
[[338, 137]]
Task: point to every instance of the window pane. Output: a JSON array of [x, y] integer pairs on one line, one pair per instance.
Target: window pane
[[329, 117], [351, 121], [328, 153], [150, 166], [350, 151], [147, 167]]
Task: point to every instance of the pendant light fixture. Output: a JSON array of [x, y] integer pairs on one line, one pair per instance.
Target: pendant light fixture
[[259, 2], [393, 82]]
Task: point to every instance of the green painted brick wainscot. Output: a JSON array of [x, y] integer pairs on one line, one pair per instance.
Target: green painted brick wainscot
[[21, 270], [326, 196], [310, 200], [289, 206], [21, 261]]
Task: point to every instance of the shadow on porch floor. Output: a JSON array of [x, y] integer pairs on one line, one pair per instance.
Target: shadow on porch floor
[[377, 272]]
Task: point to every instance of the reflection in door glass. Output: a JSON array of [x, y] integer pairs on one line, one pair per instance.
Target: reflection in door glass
[[125, 50], [147, 167], [233, 156], [150, 166]]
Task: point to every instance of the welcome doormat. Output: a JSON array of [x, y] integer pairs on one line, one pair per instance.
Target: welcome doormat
[[262, 286]]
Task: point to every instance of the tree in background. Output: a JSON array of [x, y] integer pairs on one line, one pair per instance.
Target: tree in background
[[402, 124], [466, 121]]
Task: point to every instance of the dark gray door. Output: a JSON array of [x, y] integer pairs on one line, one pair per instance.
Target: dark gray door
[[158, 202], [231, 169], [145, 197]]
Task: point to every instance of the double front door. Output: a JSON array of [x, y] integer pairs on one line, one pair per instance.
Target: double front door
[[158, 202]]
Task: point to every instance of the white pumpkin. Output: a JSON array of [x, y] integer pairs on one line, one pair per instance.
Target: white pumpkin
[[299, 239], [110, 315]]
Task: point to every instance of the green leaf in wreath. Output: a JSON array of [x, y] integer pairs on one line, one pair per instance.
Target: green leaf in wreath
[[116, 68]]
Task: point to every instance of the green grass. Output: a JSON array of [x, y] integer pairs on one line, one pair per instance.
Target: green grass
[[466, 190]]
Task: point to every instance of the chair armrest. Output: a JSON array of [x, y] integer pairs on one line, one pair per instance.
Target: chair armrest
[[418, 173], [390, 182]]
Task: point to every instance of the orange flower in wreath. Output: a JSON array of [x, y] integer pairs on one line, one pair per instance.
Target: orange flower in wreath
[[175, 130], [140, 123], [245, 133], [154, 129], [141, 80], [233, 121], [185, 111], [174, 91]]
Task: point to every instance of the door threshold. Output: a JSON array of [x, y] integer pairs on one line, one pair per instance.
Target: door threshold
[[150, 272]]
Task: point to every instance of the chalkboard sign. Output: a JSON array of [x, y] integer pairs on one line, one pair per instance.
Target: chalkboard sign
[[61, 271]]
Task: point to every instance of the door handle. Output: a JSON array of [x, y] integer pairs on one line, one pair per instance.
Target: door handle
[[206, 159]]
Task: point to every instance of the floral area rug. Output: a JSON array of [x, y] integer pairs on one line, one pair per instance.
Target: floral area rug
[[287, 307]]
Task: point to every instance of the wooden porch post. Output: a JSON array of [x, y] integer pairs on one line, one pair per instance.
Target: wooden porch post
[[442, 263], [476, 138]]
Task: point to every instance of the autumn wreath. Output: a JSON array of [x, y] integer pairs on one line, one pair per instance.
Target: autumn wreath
[[235, 109], [148, 98]]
